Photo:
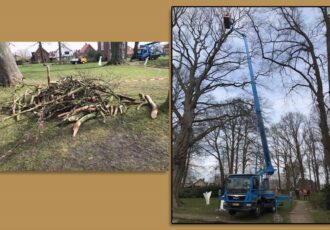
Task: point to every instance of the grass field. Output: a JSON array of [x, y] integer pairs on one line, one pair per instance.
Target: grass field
[[194, 210], [130, 142]]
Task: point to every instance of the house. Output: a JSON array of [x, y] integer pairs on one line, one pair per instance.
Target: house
[[36, 55], [197, 184], [200, 183], [67, 53], [105, 49], [87, 50]]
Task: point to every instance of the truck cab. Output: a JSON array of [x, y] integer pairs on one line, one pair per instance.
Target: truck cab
[[248, 193]]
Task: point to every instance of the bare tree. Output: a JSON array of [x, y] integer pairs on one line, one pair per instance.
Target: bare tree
[[312, 140], [23, 55], [297, 49], [229, 144], [9, 72], [201, 63]]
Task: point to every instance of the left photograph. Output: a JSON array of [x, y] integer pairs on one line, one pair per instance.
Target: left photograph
[[84, 106]]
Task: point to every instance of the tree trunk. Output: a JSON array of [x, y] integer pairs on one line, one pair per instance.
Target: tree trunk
[[293, 170], [135, 50], [299, 157], [60, 51], [180, 150], [9, 72], [186, 171], [41, 53], [315, 166], [116, 54], [125, 55], [177, 174]]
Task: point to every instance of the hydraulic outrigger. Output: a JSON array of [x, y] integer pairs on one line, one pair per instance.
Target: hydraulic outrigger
[[251, 192]]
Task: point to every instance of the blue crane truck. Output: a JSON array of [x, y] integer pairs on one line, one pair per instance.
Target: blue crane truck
[[251, 192], [150, 50]]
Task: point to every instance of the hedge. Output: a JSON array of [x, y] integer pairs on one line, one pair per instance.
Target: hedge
[[197, 192]]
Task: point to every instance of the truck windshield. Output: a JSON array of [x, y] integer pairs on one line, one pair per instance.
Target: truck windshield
[[238, 184]]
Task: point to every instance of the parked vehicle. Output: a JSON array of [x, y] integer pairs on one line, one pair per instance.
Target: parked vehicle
[[251, 192], [151, 50], [81, 60]]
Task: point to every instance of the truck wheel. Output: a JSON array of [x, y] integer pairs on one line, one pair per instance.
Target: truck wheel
[[231, 212], [257, 212], [274, 206]]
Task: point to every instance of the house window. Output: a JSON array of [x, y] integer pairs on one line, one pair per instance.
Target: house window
[[66, 52], [102, 45]]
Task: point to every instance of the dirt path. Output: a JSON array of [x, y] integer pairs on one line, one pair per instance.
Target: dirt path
[[300, 213]]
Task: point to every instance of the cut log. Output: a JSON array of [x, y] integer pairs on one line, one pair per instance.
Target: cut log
[[78, 123], [154, 109]]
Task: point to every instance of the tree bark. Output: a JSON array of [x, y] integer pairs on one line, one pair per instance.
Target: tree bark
[[125, 54], [60, 51], [135, 50], [116, 54], [41, 52], [9, 72]]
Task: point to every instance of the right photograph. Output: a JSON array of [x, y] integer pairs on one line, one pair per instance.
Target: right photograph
[[250, 115]]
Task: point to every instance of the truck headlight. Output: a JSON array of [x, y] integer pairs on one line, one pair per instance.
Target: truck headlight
[[248, 205]]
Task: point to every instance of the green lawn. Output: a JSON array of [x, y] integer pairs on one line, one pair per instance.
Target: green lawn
[[37, 72], [130, 142], [161, 62], [200, 212]]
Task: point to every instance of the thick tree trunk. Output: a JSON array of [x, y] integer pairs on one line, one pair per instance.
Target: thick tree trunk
[[180, 150], [116, 54], [177, 174], [135, 50], [125, 54], [184, 179], [9, 72]]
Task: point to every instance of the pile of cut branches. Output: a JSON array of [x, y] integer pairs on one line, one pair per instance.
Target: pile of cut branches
[[74, 100]]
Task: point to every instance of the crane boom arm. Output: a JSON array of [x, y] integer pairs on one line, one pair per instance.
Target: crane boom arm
[[269, 170]]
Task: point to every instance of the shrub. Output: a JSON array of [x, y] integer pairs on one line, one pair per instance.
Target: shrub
[[324, 200], [197, 192]]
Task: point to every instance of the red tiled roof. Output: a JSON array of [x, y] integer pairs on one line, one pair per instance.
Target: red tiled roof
[[86, 47]]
